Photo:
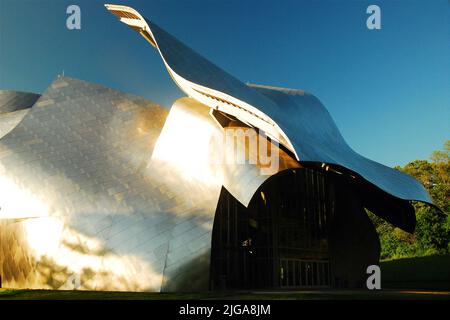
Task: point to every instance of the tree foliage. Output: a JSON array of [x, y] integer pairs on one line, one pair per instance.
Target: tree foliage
[[432, 235]]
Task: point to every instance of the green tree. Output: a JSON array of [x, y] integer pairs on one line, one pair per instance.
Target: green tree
[[433, 225]]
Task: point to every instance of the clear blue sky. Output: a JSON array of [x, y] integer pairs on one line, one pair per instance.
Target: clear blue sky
[[388, 90]]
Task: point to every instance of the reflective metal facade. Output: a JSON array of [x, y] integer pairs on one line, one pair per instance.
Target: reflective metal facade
[[305, 126], [187, 165], [114, 191], [14, 105], [75, 192], [11, 101], [102, 190]]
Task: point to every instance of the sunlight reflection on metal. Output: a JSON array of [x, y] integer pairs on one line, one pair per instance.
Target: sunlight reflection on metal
[[122, 193], [296, 119], [109, 189], [19, 202], [70, 177], [185, 144]]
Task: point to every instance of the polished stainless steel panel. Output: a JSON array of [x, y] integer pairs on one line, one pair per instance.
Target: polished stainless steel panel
[[10, 120], [189, 184], [318, 139], [76, 197], [94, 187], [242, 180], [301, 116], [14, 105], [16, 100], [103, 190], [190, 166]]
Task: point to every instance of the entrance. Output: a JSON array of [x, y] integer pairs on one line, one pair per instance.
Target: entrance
[[297, 273], [280, 240]]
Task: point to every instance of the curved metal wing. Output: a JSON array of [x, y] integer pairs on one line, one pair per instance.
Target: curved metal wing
[[317, 139], [14, 105], [11, 101], [297, 121], [204, 81]]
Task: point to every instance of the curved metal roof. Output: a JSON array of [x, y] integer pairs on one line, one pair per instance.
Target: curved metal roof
[[16, 100], [317, 139], [14, 105], [297, 120]]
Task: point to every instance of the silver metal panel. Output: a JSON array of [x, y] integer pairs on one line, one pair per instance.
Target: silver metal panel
[[114, 190], [190, 182], [14, 105], [76, 197], [191, 170], [301, 116], [193, 67], [242, 180], [317, 139], [16, 100], [10, 120]]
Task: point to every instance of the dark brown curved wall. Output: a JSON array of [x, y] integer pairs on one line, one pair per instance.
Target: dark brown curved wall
[[353, 240]]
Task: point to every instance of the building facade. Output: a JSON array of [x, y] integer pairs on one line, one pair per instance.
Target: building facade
[[236, 186]]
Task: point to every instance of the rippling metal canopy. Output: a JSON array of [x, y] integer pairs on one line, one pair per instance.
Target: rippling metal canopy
[[11, 101], [296, 119], [14, 105]]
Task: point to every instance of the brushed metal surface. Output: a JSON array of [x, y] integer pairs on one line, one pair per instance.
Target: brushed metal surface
[[76, 197], [16, 100], [114, 191], [300, 116], [10, 120], [189, 161], [318, 140], [14, 105], [102, 190]]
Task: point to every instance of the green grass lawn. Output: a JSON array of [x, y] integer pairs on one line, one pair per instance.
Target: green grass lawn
[[411, 278], [9, 294], [95, 295], [431, 272]]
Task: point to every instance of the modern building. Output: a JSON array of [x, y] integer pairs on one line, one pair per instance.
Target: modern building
[[235, 186]]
